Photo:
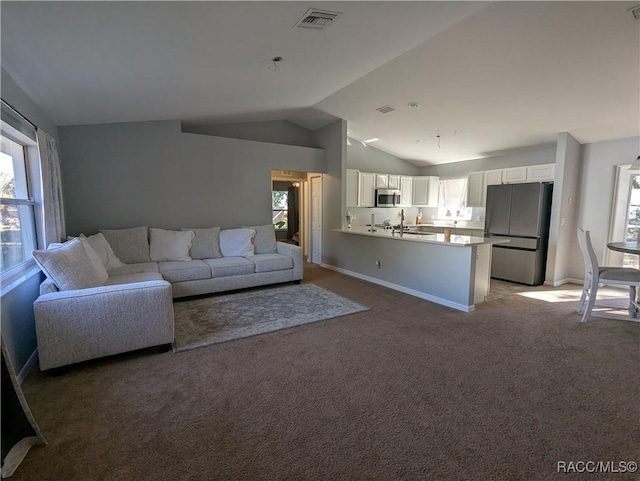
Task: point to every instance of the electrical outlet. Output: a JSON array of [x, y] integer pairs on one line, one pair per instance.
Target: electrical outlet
[[378, 264]]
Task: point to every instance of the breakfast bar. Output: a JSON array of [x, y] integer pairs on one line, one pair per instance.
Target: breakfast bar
[[453, 271]]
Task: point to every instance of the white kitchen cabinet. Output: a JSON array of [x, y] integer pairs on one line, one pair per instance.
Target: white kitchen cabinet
[[493, 177], [366, 189], [394, 182], [476, 189], [352, 188], [382, 181], [514, 175], [541, 173], [425, 191], [406, 190]]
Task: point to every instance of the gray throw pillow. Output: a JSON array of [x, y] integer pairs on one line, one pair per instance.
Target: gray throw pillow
[[131, 246], [265, 239], [69, 266], [205, 244]]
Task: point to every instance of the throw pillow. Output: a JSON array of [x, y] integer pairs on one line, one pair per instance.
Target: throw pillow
[[205, 244], [265, 239], [170, 245], [104, 251], [69, 266], [237, 242], [131, 246]]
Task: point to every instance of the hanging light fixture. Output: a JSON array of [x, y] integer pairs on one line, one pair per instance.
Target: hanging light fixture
[[636, 164]]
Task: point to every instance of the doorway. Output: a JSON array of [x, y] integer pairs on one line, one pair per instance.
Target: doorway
[[316, 219]]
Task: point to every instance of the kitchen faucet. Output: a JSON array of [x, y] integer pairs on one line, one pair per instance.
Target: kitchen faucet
[[401, 222]]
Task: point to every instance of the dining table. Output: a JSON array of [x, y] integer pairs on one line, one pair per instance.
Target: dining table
[[628, 247]]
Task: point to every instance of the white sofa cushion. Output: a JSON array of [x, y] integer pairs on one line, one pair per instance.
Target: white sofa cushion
[[169, 245], [205, 244], [130, 278], [100, 245], [265, 239], [131, 246], [237, 242], [271, 262], [70, 267], [127, 269], [230, 266], [177, 271]]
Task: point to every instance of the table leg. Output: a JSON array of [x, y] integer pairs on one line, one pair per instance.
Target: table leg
[[633, 310]]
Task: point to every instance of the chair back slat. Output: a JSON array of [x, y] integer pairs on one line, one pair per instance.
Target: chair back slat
[[589, 255]]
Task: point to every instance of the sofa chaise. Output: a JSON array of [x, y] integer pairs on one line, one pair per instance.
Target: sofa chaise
[[113, 292]]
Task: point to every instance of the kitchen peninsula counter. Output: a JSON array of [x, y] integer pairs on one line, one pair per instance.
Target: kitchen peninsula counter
[[455, 240], [454, 273]]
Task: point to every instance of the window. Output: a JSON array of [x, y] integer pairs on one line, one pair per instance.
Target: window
[[280, 209], [18, 176], [452, 200], [632, 230]]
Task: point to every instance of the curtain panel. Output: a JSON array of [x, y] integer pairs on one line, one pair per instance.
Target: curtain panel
[[53, 205]]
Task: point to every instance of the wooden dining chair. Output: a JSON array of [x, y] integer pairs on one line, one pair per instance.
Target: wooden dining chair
[[595, 275]]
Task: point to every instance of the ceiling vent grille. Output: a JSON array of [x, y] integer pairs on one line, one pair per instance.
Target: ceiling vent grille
[[317, 19], [385, 109], [635, 11]]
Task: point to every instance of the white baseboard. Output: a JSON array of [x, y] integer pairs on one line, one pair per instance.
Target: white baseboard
[[28, 366], [568, 280], [406, 290]]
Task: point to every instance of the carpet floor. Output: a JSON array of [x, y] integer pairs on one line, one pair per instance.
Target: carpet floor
[[408, 390]]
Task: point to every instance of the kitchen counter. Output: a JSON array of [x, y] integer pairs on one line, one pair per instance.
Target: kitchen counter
[[456, 240], [454, 273]]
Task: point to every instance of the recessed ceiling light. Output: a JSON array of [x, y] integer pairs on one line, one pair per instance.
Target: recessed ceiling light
[[375, 139], [414, 105]]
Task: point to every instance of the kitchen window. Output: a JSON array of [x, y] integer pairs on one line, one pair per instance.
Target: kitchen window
[[452, 200]]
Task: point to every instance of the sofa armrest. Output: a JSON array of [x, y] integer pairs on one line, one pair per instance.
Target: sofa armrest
[[77, 325], [295, 252]]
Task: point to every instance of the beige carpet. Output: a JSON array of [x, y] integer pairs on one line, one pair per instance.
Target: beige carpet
[[408, 390]]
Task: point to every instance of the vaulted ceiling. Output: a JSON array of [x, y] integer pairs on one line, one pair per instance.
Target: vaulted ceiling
[[487, 76]]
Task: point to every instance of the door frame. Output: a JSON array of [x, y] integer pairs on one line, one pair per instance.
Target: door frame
[[310, 257]]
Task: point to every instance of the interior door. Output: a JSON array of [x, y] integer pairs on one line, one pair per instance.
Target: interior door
[[316, 220]]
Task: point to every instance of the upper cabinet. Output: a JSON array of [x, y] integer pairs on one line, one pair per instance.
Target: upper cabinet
[[406, 190], [541, 173], [366, 190], [394, 182], [477, 182], [514, 175], [361, 188], [382, 181], [425, 191]]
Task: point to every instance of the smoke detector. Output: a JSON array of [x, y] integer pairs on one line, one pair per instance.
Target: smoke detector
[[317, 19]]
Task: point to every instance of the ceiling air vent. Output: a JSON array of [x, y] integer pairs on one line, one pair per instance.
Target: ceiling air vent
[[635, 11], [385, 109], [317, 19]]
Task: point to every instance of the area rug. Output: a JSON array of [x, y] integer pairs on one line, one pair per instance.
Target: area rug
[[212, 320]]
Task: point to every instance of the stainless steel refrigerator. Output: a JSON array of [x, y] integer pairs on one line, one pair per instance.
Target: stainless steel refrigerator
[[521, 213]]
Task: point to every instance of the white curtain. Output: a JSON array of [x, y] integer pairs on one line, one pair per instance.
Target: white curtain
[[54, 223], [453, 195]]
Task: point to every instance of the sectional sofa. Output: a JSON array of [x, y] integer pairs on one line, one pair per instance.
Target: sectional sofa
[[113, 292]]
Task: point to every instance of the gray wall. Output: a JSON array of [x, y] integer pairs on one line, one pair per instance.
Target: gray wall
[[596, 196], [276, 131], [18, 325], [534, 155], [333, 138], [369, 159], [151, 173]]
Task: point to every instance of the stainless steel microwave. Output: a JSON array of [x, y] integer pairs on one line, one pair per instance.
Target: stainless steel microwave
[[387, 198]]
